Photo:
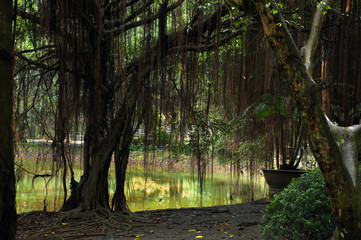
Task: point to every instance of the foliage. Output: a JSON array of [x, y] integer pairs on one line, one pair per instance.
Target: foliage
[[178, 149], [301, 211], [195, 66], [137, 145], [253, 149], [159, 140], [163, 138], [270, 105]]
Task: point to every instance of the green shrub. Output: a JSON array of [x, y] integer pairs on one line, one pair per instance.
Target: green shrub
[[301, 211]]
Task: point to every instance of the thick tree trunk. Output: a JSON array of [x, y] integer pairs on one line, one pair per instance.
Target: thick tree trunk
[[333, 161], [100, 146], [336, 159], [94, 187], [7, 176]]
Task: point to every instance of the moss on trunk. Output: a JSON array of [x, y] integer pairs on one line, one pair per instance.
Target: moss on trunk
[[345, 195]]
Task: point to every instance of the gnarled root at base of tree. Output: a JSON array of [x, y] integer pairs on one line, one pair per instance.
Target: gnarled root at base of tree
[[76, 224]]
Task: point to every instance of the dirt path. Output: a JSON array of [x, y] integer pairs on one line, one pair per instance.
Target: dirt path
[[239, 221]]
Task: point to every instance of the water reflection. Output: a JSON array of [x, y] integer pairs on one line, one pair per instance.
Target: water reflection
[[155, 189]]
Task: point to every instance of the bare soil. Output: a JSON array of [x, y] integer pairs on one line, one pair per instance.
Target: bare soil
[[238, 221]]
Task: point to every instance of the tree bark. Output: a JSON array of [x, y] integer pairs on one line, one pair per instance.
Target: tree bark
[[333, 158], [119, 203], [344, 194], [94, 186], [7, 176], [137, 71]]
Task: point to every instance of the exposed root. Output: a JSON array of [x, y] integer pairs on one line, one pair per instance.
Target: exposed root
[[77, 225]]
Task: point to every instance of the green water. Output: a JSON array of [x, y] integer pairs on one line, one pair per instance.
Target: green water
[[156, 189]]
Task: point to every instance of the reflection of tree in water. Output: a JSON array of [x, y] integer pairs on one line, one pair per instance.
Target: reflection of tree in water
[[162, 190], [175, 192], [219, 194]]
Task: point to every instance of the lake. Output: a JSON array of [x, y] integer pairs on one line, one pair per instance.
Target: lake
[[151, 189]]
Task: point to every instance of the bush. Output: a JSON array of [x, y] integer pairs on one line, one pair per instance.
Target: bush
[[301, 211]]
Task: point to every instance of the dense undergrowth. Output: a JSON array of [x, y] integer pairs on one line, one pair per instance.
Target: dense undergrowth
[[301, 211]]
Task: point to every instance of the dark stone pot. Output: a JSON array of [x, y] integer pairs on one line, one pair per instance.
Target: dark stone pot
[[277, 180]]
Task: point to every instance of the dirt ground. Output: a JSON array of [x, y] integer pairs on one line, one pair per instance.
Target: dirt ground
[[239, 221]]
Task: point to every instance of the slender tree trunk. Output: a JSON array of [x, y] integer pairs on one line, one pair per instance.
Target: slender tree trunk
[[119, 203], [7, 177]]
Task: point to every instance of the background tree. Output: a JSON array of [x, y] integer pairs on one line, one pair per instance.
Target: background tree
[[7, 177]]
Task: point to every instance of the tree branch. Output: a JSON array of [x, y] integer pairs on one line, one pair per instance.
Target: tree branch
[[308, 50], [349, 142], [125, 27], [133, 15], [209, 47], [27, 16], [121, 4], [36, 63]]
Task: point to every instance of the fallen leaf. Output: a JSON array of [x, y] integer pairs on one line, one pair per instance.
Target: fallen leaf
[[46, 235], [151, 231], [192, 230], [64, 224], [199, 236]]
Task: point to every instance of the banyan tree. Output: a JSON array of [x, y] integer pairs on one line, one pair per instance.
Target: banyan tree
[[115, 65]]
